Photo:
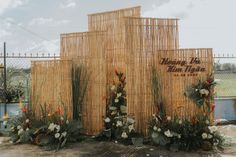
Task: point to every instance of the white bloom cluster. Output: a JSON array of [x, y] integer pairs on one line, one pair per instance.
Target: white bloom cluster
[[124, 135], [107, 120], [131, 127], [168, 133], [212, 129], [53, 126], [204, 92], [119, 123]]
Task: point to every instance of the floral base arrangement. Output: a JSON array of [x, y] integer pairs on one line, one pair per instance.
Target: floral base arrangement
[[52, 131], [184, 134], [118, 125]]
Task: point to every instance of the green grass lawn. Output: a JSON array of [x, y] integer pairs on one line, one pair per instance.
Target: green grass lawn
[[226, 84]]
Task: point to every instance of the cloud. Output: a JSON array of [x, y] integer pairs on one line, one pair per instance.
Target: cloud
[[68, 4], [47, 21], [45, 46], [7, 4], [171, 8]]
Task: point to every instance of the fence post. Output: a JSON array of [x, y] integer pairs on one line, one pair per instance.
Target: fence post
[[5, 78]]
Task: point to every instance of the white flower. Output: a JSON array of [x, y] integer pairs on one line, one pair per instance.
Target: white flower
[[67, 121], [64, 134], [18, 127], [62, 118], [107, 120], [124, 135], [52, 126], [58, 127], [119, 123], [179, 136], [27, 129], [130, 120], [118, 95], [131, 127], [27, 120], [4, 123], [20, 131], [154, 115], [116, 100], [57, 135], [180, 122], [204, 92], [169, 118], [155, 128], [196, 89], [159, 129], [212, 129], [207, 122], [209, 136], [168, 133], [204, 135], [113, 87]]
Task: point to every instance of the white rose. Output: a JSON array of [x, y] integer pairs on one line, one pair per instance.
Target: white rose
[[67, 121], [130, 120], [180, 122], [212, 129], [113, 87], [169, 118], [57, 135], [207, 122], [27, 129], [124, 135], [159, 129], [18, 127], [119, 123], [27, 120], [209, 136], [155, 128], [116, 100], [118, 95], [64, 134], [204, 135], [131, 127], [20, 131], [58, 128], [179, 136], [107, 120], [62, 118], [51, 126], [168, 133], [204, 92]]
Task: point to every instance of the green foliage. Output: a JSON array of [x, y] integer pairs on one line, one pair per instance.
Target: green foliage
[[80, 79], [184, 134], [52, 130], [118, 125], [202, 93]]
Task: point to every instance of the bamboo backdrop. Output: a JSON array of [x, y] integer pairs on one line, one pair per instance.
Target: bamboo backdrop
[[124, 41], [51, 85]]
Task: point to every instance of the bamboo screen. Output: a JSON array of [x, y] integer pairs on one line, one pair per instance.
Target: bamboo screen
[[176, 83], [51, 85], [88, 49], [124, 41]]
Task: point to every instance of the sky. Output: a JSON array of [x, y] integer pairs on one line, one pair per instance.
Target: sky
[[34, 26]]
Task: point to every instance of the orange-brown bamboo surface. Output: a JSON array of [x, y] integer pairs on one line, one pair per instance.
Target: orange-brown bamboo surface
[[124, 41]]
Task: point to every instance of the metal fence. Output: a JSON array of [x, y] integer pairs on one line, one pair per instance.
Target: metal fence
[[19, 65]]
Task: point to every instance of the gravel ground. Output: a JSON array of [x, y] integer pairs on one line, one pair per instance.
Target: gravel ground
[[90, 148]]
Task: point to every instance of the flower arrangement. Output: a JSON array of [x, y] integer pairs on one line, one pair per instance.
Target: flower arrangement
[[202, 93], [118, 125], [52, 131], [184, 134]]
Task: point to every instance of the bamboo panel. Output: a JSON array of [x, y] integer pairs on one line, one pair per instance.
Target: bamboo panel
[[51, 85], [88, 49], [174, 86]]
